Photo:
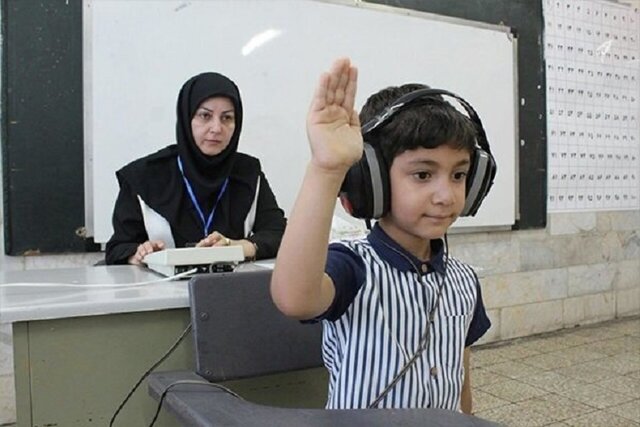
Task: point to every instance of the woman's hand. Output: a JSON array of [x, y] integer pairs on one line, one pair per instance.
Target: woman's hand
[[215, 239], [249, 249], [333, 126], [145, 249]]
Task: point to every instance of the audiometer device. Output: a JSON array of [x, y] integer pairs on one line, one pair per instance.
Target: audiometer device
[[204, 260]]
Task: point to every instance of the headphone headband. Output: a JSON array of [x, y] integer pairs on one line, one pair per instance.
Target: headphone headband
[[423, 95]]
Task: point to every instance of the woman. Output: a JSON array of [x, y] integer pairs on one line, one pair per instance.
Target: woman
[[200, 191]]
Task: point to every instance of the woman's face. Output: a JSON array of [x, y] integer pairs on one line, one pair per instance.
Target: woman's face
[[213, 124]]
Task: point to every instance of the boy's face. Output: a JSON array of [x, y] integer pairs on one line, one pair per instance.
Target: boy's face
[[427, 194]]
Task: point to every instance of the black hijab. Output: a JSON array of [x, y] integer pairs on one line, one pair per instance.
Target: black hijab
[[206, 174], [156, 179]]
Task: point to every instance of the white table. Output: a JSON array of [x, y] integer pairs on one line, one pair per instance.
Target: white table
[[94, 291], [78, 350]]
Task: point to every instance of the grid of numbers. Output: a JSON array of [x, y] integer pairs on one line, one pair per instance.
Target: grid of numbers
[[592, 51]]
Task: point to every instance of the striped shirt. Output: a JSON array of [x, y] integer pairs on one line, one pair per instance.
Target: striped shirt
[[378, 319]]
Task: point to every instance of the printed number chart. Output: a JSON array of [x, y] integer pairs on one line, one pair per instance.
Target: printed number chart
[[592, 51]]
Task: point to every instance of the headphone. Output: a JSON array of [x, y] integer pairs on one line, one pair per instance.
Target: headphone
[[365, 192]]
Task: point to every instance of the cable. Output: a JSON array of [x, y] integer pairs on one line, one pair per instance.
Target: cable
[[146, 374], [368, 223], [193, 382], [99, 285]]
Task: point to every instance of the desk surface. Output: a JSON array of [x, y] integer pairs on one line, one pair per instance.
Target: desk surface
[[86, 291], [47, 294]]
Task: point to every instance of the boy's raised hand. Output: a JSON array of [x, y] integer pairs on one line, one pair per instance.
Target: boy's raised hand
[[299, 286], [333, 126]]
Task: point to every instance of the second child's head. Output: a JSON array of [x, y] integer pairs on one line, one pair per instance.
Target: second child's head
[[427, 148]]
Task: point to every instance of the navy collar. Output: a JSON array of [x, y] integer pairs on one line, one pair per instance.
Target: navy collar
[[400, 258]]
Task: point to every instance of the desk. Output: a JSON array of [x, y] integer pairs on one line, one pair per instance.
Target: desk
[[205, 406], [78, 351]]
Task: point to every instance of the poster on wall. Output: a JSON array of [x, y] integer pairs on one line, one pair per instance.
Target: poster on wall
[[592, 54]]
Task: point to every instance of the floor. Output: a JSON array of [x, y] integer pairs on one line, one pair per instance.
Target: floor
[[586, 376]]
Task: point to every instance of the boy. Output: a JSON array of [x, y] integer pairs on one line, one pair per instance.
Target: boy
[[398, 313]]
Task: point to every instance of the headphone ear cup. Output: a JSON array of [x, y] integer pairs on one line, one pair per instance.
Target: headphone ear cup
[[479, 180], [365, 190]]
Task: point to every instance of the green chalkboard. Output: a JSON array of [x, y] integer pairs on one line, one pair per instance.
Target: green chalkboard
[[42, 135]]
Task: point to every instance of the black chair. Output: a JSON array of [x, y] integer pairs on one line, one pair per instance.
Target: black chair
[[240, 334]]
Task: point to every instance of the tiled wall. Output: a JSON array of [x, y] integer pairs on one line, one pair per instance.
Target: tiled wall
[[583, 268], [7, 393]]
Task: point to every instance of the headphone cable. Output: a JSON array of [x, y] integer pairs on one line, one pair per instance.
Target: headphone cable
[[189, 382], [151, 369]]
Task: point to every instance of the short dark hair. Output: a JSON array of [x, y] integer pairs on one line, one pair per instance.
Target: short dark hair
[[427, 124]]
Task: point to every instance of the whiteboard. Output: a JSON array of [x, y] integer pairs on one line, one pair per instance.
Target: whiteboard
[[137, 54]]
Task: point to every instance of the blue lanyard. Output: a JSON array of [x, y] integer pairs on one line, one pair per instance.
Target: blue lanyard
[[194, 201]]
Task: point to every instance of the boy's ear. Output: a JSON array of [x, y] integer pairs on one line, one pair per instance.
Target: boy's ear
[[346, 203]]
